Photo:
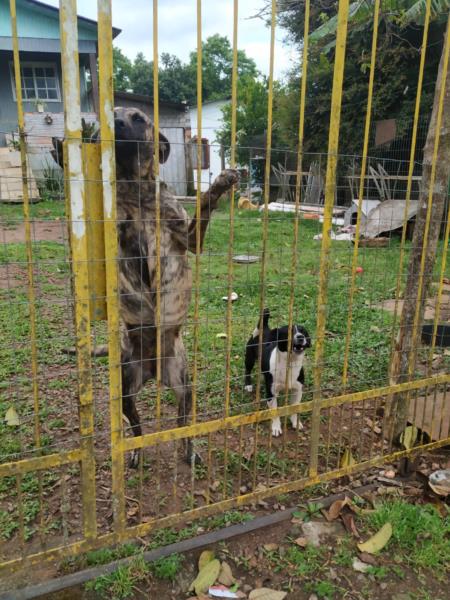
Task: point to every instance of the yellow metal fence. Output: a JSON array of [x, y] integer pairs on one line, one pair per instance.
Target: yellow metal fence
[[65, 485]]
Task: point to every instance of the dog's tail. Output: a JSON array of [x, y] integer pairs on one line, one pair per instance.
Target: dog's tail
[[100, 350], [265, 322]]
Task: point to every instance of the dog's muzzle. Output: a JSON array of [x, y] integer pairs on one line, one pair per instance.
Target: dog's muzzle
[[298, 343]]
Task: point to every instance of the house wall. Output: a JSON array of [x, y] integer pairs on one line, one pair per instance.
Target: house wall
[[38, 22], [8, 106], [211, 124]]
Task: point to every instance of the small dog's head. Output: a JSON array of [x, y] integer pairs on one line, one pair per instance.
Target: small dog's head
[[300, 339], [135, 148]]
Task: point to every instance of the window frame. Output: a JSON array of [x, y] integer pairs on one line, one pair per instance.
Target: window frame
[[35, 65]]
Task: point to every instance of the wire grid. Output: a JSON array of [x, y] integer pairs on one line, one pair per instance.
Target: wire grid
[[43, 504]]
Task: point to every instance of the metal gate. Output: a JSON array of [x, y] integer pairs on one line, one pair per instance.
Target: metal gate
[[65, 484]]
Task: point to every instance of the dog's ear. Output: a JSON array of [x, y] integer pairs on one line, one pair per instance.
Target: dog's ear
[[164, 148], [57, 151]]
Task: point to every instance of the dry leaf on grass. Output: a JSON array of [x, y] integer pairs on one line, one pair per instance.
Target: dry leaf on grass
[[335, 509], [11, 417], [206, 577], [301, 541], [267, 594], [270, 547], [360, 566], [349, 524], [347, 459], [205, 557], [226, 575], [378, 541]]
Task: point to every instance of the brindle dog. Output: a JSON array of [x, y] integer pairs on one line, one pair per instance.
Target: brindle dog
[[136, 210]]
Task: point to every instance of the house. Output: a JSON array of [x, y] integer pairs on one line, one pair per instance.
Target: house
[[174, 123], [213, 160], [40, 57]]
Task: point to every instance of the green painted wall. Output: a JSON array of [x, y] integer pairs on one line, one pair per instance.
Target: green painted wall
[[37, 22]]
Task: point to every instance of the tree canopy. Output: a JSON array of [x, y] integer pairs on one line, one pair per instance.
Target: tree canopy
[[178, 80]]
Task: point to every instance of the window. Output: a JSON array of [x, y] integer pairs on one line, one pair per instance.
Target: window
[[39, 82], [205, 153]]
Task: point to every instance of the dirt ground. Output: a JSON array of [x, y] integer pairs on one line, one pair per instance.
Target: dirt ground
[[278, 558]]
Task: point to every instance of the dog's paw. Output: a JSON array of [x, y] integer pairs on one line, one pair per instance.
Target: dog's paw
[[249, 388], [276, 427], [135, 457], [296, 423], [227, 178]]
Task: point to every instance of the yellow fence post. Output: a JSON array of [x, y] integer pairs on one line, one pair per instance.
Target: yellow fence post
[[330, 188], [95, 230], [72, 123], [111, 257]]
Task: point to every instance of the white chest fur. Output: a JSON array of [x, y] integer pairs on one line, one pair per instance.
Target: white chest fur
[[279, 366]]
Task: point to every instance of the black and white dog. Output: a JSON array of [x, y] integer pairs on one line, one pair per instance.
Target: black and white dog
[[274, 364]]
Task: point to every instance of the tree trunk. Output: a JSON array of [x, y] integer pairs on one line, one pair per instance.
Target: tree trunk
[[405, 345]]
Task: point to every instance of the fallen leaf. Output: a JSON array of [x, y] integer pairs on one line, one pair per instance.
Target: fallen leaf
[[359, 566], [226, 575], [378, 541], [270, 547], [368, 558], [301, 541], [390, 474], [11, 417], [133, 511], [409, 436], [267, 594], [349, 524], [206, 577], [347, 459], [335, 509], [205, 557]]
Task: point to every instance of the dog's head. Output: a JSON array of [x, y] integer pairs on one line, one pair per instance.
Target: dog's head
[[135, 148], [300, 339]]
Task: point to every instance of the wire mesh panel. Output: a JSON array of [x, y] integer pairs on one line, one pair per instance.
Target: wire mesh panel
[[166, 358]]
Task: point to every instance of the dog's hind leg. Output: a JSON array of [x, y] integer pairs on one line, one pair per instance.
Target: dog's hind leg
[[297, 393], [176, 377], [250, 358], [135, 371]]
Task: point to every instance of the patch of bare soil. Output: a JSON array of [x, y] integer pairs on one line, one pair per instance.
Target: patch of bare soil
[[41, 231]]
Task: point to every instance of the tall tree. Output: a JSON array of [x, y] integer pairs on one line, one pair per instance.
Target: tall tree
[[122, 68]]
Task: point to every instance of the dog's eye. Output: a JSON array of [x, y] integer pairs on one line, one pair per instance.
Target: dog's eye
[[137, 118]]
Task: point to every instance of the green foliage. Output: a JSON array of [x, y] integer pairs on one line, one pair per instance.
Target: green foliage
[[167, 568], [418, 532], [122, 583], [178, 80], [122, 69], [398, 57]]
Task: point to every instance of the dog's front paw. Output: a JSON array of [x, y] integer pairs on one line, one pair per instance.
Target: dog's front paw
[[276, 427], [296, 423], [135, 457], [249, 388], [227, 178]]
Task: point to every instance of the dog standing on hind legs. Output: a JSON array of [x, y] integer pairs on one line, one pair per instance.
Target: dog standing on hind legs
[[276, 364], [136, 215]]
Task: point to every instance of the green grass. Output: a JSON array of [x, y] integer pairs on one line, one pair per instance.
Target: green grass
[[11, 215], [420, 536], [122, 583]]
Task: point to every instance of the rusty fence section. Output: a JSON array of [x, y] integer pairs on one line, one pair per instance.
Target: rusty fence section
[[65, 481]]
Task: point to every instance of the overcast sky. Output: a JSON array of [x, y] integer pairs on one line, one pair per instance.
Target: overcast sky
[[177, 28]]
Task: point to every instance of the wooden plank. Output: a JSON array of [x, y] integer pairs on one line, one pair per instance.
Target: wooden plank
[[431, 414]]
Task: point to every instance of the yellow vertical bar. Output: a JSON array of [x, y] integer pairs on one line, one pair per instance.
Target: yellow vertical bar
[[26, 216], [330, 187], [410, 170], [106, 115], [298, 183], [72, 123], [412, 354], [266, 192], [198, 211], [95, 230], [229, 329], [361, 192]]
